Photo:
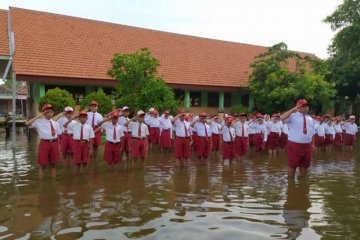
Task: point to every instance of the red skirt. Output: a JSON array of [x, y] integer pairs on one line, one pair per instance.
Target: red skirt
[[215, 138], [154, 135], [273, 140], [241, 145], [182, 147], [349, 139], [165, 138], [228, 151], [259, 142], [319, 141], [283, 140], [328, 139], [48, 153], [338, 140], [112, 152]]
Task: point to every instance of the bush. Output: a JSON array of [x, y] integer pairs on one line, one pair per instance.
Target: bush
[[238, 109], [58, 98], [104, 102]]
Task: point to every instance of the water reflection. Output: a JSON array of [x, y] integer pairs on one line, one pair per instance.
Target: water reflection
[[248, 199]]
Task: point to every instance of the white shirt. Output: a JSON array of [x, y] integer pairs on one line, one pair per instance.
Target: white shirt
[[109, 130], [215, 127], [97, 118], [251, 126], [202, 129], [284, 128], [153, 122], [75, 127], [134, 127], [337, 128], [121, 121], [181, 127], [238, 129], [320, 129], [350, 128], [329, 129], [274, 127], [62, 120], [43, 128], [296, 126], [261, 128], [165, 124], [228, 134]]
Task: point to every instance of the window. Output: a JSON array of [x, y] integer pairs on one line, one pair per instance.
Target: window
[[227, 99], [179, 94], [213, 99], [195, 99], [245, 100]]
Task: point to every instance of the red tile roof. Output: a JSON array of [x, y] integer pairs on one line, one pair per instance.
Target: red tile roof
[[49, 44], [4, 39]]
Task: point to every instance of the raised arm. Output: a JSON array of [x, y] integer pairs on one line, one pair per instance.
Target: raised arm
[[176, 117], [31, 121], [287, 114], [128, 122], [56, 117], [194, 122], [69, 121]]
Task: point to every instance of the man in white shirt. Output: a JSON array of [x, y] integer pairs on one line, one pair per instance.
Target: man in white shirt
[[48, 130], [182, 137], [165, 131], [301, 131], [215, 134], [93, 117], [83, 137], [351, 129], [242, 133], [228, 140], [139, 135], [203, 144]]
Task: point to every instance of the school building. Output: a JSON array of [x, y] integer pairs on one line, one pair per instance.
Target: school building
[[73, 53]]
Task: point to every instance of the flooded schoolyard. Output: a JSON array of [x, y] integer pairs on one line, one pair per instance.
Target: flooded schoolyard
[[249, 199]]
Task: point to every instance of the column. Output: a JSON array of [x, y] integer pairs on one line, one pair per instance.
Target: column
[[187, 100], [221, 102]]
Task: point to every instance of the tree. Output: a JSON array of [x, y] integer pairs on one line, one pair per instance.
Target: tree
[[104, 102], [280, 77], [344, 50], [58, 98], [139, 86]]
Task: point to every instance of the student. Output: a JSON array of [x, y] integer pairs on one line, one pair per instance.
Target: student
[[182, 138], [284, 136], [165, 131], [93, 117], [319, 138], [139, 136], [66, 137], [338, 141], [329, 134], [301, 131], [203, 144], [215, 134], [114, 133], [126, 140], [228, 140], [48, 130], [350, 132], [83, 136], [241, 135], [153, 122], [251, 124], [274, 130], [260, 133]]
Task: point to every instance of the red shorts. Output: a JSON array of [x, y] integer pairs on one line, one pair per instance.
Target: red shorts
[[241, 145], [299, 155], [273, 140], [182, 147], [283, 140], [195, 140], [258, 140], [328, 139], [66, 143], [338, 140], [203, 147], [48, 153], [112, 152], [319, 141], [154, 135], [139, 147], [165, 138], [97, 139], [81, 152], [215, 138], [228, 151], [349, 139], [126, 142]]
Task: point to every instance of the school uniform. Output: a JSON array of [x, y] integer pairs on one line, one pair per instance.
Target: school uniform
[[260, 136], [194, 136], [228, 145], [139, 132], [82, 134], [274, 130], [338, 135], [204, 139], [154, 129], [251, 124], [283, 136], [126, 140], [301, 131], [241, 138], [114, 134], [93, 119], [48, 149], [350, 133], [182, 139], [165, 132], [215, 135], [66, 137], [319, 138], [329, 134]]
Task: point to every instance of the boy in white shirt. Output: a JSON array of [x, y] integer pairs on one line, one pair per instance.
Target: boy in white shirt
[[274, 130], [338, 141], [228, 139], [329, 134], [182, 137], [153, 122], [126, 140], [283, 136], [93, 117], [242, 133], [319, 137], [48, 130], [350, 132], [203, 144], [260, 133], [215, 134], [165, 131]]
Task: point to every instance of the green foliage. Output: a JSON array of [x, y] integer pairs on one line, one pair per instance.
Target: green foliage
[[238, 109], [344, 50], [58, 98], [281, 77], [104, 102], [139, 85]]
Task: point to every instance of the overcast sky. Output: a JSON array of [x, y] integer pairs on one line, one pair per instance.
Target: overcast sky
[[298, 23]]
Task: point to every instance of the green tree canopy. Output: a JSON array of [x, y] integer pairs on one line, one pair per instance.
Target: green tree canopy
[[58, 98], [280, 77], [344, 50], [139, 86], [104, 102]]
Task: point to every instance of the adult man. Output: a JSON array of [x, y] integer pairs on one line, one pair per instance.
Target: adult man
[[301, 130]]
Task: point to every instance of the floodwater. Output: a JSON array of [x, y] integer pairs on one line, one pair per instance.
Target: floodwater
[[249, 199]]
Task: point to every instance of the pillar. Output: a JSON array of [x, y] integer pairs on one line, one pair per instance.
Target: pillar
[[204, 98], [187, 100], [221, 102]]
